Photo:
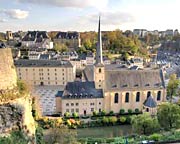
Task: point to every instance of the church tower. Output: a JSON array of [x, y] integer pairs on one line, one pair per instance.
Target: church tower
[[99, 73]]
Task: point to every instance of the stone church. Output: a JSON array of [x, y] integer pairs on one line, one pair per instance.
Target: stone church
[[112, 88]]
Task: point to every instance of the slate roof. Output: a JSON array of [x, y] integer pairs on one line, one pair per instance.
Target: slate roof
[[88, 73], [150, 102], [79, 90], [41, 63], [133, 79], [37, 36], [67, 35]]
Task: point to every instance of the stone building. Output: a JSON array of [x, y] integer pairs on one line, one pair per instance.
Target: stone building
[[111, 88], [45, 72], [71, 39]]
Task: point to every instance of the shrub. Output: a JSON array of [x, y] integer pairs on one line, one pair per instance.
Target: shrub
[[155, 137], [122, 111], [75, 114], [105, 120], [111, 113], [113, 119], [130, 111], [67, 114], [95, 113], [122, 119], [136, 110], [103, 113]]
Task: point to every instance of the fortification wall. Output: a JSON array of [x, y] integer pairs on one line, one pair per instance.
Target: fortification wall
[[8, 77]]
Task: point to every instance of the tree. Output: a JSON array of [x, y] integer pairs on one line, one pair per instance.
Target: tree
[[59, 47], [75, 114], [169, 115], [144, 124], [172, 86], [62, 135], [113, 119]]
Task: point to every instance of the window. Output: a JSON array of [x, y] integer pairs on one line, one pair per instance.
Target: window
[[92, 109], [147, 109], [72, 110], [100, 70], [47, 69], [116, 98], [137, 96], [72, 104], [67, 104], [55, 73], [55, 69], [127, 97], [99, 110], [48, 78], [99, 85], [77, 104], [148, 94], [99, 103], [159, 96], [77, 110], [67, 110]]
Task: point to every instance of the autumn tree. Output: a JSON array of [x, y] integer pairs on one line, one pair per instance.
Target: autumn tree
[[59, 47]]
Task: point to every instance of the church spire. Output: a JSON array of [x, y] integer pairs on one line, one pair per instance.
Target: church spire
[[99, 59]]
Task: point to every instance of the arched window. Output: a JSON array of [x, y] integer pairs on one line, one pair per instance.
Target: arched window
[[137, 96], [148, 94], [99, 70], [159, 96], [116, 98], [127, 97]]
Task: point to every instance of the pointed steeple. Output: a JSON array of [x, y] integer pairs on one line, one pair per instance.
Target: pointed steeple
[[99, 59]]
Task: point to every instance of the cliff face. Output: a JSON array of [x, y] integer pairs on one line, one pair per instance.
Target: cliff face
[[16, 115], [15, 112], [8, 76]]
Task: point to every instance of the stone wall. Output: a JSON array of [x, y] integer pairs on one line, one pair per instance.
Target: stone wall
[[16, 115], [8, 76]]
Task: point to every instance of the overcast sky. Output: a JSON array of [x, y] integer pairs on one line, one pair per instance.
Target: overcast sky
[[82, 15]]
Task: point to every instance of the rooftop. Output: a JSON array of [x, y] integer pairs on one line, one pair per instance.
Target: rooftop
[[79, 90], [41, 63]]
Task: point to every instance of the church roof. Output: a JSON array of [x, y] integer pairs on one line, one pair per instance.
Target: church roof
[[133, 79], [77, 90], [150, 102]]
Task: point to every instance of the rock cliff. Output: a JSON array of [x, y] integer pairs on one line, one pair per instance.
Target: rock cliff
[[15, 105]]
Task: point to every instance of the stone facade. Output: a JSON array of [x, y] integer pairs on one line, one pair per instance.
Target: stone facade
[[8, 76]]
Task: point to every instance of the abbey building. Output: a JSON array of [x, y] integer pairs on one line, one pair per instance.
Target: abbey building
[[111, 88]]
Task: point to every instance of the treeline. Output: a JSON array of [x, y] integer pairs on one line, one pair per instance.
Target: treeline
[[114, 42]]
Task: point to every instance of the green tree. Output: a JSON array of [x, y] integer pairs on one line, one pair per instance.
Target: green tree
[[75, 114], [105, 120], [113, 119], [59, 47], [144, 124], [169, 115], [172, 86]]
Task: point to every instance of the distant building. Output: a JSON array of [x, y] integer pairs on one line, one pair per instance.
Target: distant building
[[9, 35], [140, 32], [169, 32], [37, 39], [71, 39]]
